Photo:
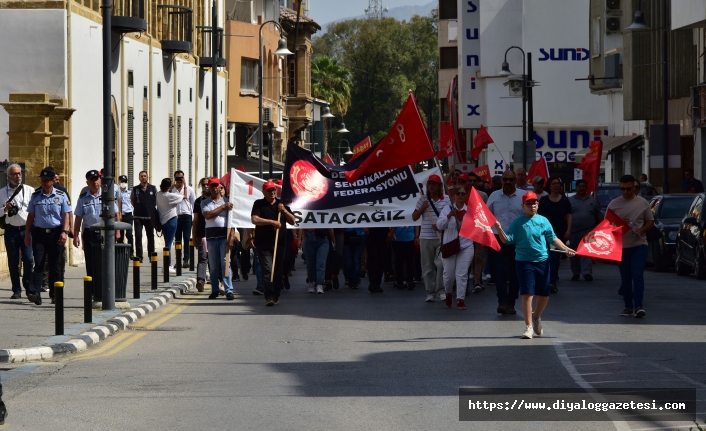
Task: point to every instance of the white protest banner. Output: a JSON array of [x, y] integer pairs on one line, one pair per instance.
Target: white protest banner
[[389, 212]]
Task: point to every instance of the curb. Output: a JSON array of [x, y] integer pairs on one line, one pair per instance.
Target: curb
[[98, 333]]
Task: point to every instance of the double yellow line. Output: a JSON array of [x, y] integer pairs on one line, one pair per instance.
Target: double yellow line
[[124, 339]]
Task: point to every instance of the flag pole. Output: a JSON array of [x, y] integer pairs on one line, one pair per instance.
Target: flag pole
[[228, 231], [274, 255]]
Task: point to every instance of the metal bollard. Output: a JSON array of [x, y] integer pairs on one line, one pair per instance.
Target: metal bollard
[[177, 265], [165, 252], [153, 259], [136, 278], [191, 255], [87, 294], [59, 308]]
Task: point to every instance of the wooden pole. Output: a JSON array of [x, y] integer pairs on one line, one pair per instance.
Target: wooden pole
[[228, 231], [274, 255]]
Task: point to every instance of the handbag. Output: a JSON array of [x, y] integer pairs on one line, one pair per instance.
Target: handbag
[[452, 247], [3, 221], [156, 222]]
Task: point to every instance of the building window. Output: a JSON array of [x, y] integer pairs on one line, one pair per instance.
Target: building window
[[191, 151], [248, 74], [130, 82], [178, 143], [179, 97], [191, 94], [448, 9], [205, 169], [292, 78], [144, 92], [221, 106], [448, 57], [206, 102], [130, 146], [159, 89], [171, 144], [145, 143]]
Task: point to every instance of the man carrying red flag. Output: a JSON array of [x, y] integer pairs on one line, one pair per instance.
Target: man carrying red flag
[[481, 140], [405, 144], [636, 213], [532, 234]]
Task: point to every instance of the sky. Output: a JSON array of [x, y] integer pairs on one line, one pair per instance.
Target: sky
[[325, 11]]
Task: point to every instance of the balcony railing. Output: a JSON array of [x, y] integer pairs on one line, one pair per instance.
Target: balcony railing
[[128, 16], [175, 29], [207, 58]]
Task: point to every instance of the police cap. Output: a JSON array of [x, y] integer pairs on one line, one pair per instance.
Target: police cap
[[122, 178], [47, 173], [92, 174]]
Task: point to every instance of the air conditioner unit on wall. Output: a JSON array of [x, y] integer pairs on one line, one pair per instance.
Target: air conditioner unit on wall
[[613, 24], [612, 6]]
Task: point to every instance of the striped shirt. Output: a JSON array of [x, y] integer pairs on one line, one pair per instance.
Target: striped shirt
[[427, 232]]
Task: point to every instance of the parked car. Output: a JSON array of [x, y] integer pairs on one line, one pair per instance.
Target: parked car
[[669, 210], [691, 240], [606, 192]]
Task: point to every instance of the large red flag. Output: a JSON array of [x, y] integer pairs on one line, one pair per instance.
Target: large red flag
[[591, 165], [360, 148], [405, 144], [540, 168], [479, 226], [483, 172], [480, 141], [447, 140], [603, 242]]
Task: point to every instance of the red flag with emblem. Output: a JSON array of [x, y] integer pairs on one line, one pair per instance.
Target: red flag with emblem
[[604, 242], [483, 172], [327, 159], [479, 226], [447, 139], [540, 168], [480, 141], [405, 144], [360, 148]]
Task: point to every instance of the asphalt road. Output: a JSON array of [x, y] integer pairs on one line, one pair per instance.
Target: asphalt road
[[349, 360]]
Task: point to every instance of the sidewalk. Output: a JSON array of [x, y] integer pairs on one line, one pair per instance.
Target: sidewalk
[[24, 324]]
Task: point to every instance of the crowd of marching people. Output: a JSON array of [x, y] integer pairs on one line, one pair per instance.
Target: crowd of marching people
[[533, 223]]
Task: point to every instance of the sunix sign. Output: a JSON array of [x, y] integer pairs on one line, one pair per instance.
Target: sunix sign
[[564, 54], [550, 142]]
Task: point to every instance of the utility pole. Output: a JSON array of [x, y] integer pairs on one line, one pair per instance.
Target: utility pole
[[375, 9], [214, 92], [108, 192]]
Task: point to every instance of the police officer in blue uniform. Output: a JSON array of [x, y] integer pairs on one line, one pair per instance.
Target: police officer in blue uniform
[[88, 213], [47, 230]]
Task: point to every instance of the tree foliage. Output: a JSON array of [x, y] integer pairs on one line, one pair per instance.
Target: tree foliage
[[331, 82], [386, 59]]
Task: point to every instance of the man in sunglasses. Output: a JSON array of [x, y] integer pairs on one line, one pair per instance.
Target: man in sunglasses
[[185, 209], [637, 213], [506, 206]]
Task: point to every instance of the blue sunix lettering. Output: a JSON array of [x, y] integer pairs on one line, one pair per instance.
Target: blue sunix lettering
[[472, 36], [471, 7], [473, 110], [564, 54], [499, 164]]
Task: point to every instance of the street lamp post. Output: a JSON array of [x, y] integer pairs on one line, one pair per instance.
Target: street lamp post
[[282, 50], [506, 72], [342, 129], [639, 24]]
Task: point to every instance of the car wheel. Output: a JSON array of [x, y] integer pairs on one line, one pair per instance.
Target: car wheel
[[681, 267], [659, 261], [700, 266]]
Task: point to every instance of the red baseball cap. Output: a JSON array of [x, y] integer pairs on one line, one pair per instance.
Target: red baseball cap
[[529, 196], [278, 182], [268, 185], [435, 178], [214, 181], [464, 177]]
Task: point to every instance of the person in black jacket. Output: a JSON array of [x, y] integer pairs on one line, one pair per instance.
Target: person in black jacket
[[144, 202], [376, 243]]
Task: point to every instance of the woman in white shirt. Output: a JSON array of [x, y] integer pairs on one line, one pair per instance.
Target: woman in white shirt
[[167, 210], [456, 266]]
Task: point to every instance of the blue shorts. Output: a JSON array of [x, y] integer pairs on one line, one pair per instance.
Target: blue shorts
[[533, 277]]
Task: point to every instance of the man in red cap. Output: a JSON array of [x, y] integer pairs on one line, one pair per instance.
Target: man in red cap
[[269, 215], [215, 211], [429, 239], [532, 234]]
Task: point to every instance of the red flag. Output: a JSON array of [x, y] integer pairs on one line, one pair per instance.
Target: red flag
[[591, 165], [447, 140], [240, 168], [405, 144], [540, 168], [225, 180], [483, 172], [603, 242], [616, 221], [479, 227], [480, 141], [460, 156], [327, 159], [360, 148]]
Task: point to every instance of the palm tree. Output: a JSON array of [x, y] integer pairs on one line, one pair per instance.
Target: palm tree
[[331, 82]]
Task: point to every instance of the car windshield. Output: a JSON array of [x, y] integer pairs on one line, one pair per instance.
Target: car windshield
[[675, 207], [605, 194]]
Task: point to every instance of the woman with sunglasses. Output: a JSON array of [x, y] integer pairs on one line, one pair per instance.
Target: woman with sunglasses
[[532, 234], [456, 266]]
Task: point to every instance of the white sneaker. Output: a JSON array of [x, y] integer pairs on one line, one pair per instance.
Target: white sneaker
[[320, 289], [537, 325], [431, 298], [528, 333], [172, 270], [310, 289]]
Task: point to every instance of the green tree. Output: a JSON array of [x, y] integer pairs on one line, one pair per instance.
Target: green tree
[[386, 59], [331, 82]]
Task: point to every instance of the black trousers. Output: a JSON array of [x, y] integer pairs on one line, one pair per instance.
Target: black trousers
[[46, 248], [272, 289], [87, 242], [128, 218], [139, 223], [404, 262], [334, 260], [377, 251]]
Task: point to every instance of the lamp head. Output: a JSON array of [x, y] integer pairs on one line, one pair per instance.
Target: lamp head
[[638, 23], [349, 152], [505, 71], [343, 128], [327, 113], [282, 49]]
